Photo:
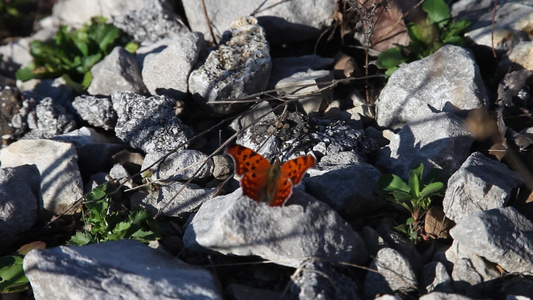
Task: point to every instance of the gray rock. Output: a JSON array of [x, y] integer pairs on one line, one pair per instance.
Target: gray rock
[[332, 137], [242, 292], [45, 119], [180, 165], [373, 241], [97, 111], [305, 86], [19, 197], [14, 55], [167, 72], [175, 199], [466, 278], [61, 183], [77, 12], [150, 123], [518, 58], [400, 243], [120, 173], [500, 235], [394, 273], [332, 160], [318, 280], [439, 142], [222, 167], [510, 21], [118, 71], [257, 113], [480, 184], [415, 91], [124, 269], [82, 137], [56, 89], [388, 297], [444, 296], [152, 22], [240, 66], [435, 278], [285, 22], [235, 224], [283, 67], [348, 189]]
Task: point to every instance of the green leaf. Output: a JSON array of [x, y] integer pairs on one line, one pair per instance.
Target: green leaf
[[422, 36], [122, 227], [137, 217], [12, 278], [81, 238], [418, 171], [142, 235], [415, 176], [409, 221], [391, 58], [87, 79], [454, 40], [437, 10], [26, 73], [431, 189], [131, 47], [392, 183], [401, 196]]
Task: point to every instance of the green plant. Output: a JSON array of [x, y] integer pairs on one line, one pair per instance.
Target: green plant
[[104, 225], [12, 277], [72, 54], [10, 8], [413, 195], [427, 36]]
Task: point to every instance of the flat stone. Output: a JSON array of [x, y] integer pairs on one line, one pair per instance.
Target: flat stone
[[167, 72], [415, 91], [180, 165], [118, 71], [394, 273], [348, 189], [500, 235], [61, 183], [124, 269], [439, 142], [19, 197], [480, 184], [304, 227], [283, 21], [174, 199]]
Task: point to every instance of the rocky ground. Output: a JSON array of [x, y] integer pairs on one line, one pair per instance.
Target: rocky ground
[[285, 79]]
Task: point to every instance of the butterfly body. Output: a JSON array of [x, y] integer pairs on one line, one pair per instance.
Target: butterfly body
[[266, 182]]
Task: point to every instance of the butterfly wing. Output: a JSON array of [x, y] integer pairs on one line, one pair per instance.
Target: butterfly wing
[[253, 169], [291, 175], [283, 193], [294, 169]]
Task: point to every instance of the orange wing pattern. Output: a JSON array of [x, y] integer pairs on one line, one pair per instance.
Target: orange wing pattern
[[263, 182], [252, 167], [294, 169], [283, 193]]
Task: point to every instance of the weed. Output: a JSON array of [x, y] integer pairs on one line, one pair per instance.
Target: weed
[[427, 36], [414, 196], [71, 55], [104, 225], [12, 277]]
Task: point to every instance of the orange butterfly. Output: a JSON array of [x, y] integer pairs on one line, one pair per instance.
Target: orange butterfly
[[266, 182]]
